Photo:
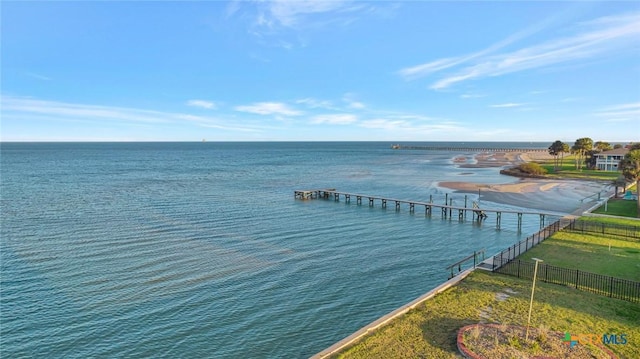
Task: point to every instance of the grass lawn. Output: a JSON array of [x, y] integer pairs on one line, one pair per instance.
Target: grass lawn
[[620, 207], [590, 253], [429, 331], [617, 221], [568, 170]]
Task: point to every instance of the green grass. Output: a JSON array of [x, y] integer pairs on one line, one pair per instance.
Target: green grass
[[568, 170], [429, 330], [610, 220], [619, 207], [590, 253]]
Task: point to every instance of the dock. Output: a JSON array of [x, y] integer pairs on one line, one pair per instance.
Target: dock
[[447, 210], [468, 149]]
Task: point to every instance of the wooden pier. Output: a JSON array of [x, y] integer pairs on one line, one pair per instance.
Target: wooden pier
[[468, 149], [447, 210]]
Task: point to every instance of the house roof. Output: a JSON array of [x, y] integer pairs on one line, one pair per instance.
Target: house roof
[[615, 152]]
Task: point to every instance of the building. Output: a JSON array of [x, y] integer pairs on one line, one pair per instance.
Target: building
[[609, 160]]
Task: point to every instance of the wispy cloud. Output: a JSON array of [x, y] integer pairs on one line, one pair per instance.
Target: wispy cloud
[[507, 105], [399, 125], [17, 107], [269, 108], [292, 13], [445, 63], [595, 37], [621, 113], [335, 119], [471, 95], [352, 103], [38, 76], [209, 105], [315, 103], [284, 23]]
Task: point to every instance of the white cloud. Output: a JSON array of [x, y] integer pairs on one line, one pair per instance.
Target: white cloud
[[445, 63], [24, 108], [291, 13], [285, 23], [399, 125], [38, 76], [335, 119], [269, 108], [349, 99], [603, 35], [203, 104], [385, 124], [471, 95], [506, 105], [621, 113], [315, 103]]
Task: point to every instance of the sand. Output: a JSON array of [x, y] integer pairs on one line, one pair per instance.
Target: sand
[[561, 196]]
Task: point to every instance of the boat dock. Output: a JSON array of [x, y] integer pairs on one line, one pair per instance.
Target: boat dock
[[447, 210], [468, 149]]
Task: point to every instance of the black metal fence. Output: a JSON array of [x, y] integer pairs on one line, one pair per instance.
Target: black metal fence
[[595, 283], [605, 229], [524, 245]]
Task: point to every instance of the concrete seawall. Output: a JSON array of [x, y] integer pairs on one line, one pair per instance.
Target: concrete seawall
[[380, 322]]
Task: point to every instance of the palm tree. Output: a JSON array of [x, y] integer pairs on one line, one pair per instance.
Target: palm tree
[[555, 150], [631, 169], [565, 149], [581, 147]]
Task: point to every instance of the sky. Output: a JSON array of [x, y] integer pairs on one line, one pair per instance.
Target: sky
[[320, 71]]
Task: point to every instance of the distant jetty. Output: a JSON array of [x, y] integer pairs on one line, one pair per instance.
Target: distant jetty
[[467, 149]]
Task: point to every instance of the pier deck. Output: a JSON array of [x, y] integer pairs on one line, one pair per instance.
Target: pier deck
[[446, 210], [468, 149]]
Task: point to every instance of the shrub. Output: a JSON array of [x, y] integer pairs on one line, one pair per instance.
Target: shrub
[[532, 168]]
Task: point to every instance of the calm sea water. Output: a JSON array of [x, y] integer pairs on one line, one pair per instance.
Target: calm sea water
[[200, 250]]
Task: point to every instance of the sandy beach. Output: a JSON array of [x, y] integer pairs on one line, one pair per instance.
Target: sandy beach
[[544, 194]]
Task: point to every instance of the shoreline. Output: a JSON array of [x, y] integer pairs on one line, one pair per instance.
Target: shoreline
[[556, 195]]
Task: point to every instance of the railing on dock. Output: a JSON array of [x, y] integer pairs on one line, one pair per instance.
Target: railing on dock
[[447, 209], [468, 149], [459, 264]]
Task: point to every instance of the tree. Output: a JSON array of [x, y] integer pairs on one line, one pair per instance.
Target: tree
[[580, 148], [616, 146], [599, 146], [630, 166], [555, 150], [565, 149], [532, 168], [602, 146]]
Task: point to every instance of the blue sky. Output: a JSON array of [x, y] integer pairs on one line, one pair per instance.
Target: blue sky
[[306, 70]]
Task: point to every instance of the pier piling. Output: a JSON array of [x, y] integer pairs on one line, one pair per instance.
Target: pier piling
[[446, 209]]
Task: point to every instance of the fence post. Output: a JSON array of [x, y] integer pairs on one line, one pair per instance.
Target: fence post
[[611, 288], [577, 276]]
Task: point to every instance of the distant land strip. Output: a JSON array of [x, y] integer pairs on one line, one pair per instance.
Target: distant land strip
[[483, 149]]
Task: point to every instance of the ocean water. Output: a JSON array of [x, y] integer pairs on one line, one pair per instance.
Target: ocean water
[[201, 250]]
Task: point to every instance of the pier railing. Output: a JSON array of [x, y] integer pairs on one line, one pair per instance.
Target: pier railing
[[459, 265], [524, 245], [468, 149], [447, 210]]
